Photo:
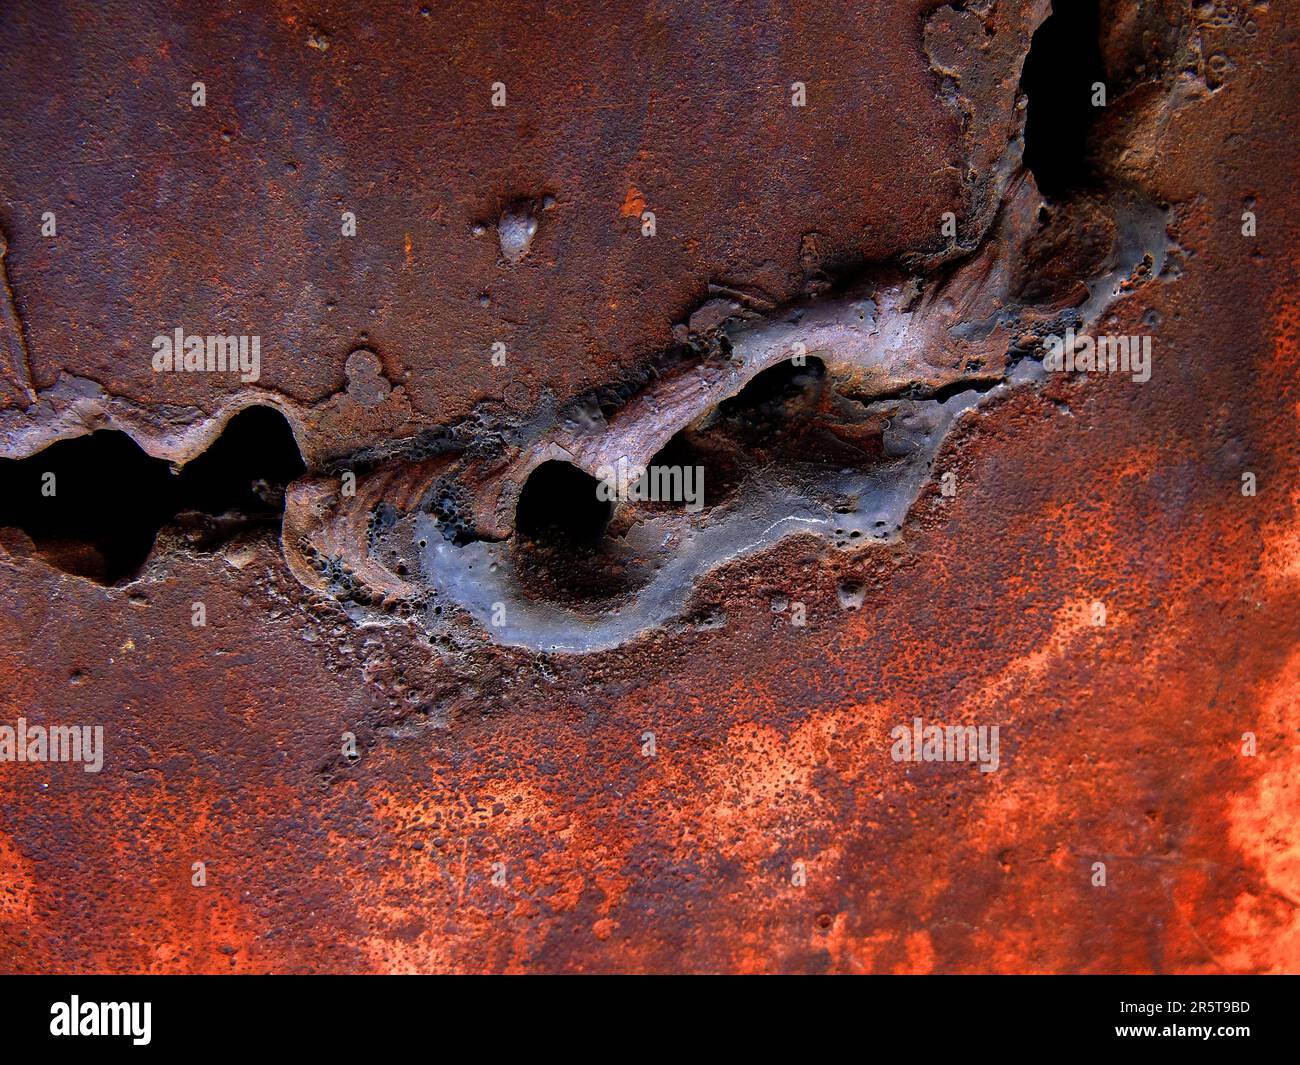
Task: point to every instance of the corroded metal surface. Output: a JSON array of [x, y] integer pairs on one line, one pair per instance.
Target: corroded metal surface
[[718, 791]]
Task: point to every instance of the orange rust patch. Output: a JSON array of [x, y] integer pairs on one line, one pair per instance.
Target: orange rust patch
[[633, 203]]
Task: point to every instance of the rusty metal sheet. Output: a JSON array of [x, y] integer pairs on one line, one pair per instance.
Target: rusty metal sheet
[[380, 690]]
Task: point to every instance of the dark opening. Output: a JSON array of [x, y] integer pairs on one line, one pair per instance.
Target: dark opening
[[774, 408], [682, 453], [773, 388], [1063, 65], [247, 468], [560, 501], [110, 499]]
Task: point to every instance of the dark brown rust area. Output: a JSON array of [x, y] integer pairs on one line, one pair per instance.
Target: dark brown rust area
[[237, 206]]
